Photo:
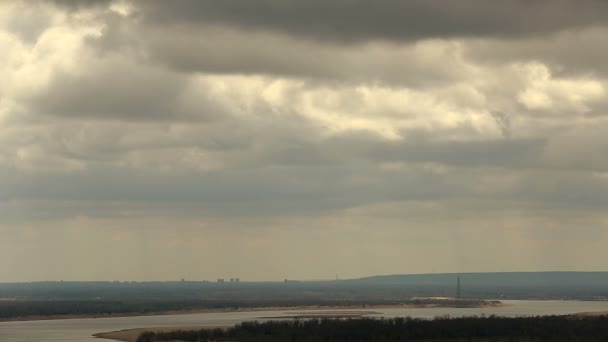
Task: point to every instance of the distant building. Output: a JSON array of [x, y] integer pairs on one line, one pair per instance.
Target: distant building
[[237, 280], [232, 280], [220, 280]]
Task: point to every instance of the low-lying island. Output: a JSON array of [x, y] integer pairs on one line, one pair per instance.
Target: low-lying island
[[477, 329]]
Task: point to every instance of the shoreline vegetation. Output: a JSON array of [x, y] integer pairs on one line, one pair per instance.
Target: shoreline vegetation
[[579, 327], [131, 335], [410, 304]]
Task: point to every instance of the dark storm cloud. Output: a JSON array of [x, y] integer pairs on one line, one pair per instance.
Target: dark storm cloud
[[304, 39], [357, 20], [213, 49]]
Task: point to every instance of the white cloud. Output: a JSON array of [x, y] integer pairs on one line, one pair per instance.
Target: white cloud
[[543, 92]]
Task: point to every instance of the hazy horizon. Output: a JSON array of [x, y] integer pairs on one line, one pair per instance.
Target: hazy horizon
[[145, 140], [227, 280]]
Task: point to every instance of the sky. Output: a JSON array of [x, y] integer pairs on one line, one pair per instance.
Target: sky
[[200, 139]]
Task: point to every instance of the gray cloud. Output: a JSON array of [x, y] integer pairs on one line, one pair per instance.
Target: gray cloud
[[303, 40], [76, 5], [112, 89], [363, 20], [226, 50], [30, 23], [575, 52], [278, 177], [503, 121]]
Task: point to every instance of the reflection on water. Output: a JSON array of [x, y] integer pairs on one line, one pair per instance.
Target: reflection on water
[[80, 330]]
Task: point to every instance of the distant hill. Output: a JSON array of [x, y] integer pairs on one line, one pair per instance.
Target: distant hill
[[496, 278], [511, 284]]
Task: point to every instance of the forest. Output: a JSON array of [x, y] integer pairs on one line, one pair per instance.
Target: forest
[[481, 329]]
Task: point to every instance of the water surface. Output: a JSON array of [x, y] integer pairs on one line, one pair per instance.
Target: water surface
[[81, 330]]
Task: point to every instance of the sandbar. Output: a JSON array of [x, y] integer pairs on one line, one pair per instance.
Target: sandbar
[[131, 335]]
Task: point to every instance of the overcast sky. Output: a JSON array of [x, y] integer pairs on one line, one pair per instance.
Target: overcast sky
[[159, 140]]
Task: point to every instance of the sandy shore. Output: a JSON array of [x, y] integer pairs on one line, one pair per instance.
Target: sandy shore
[[252, 309], [131, 335]]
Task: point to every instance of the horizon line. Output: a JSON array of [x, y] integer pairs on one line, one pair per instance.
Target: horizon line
[[214, 281]]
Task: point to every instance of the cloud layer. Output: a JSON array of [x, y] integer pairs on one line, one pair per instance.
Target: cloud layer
[[352, 129]]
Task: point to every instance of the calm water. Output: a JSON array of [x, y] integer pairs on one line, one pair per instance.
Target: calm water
[[80, 330]]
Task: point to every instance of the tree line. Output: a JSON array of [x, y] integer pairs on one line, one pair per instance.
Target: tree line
[[480, 329]]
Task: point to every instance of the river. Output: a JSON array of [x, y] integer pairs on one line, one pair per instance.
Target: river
[[81, 330]]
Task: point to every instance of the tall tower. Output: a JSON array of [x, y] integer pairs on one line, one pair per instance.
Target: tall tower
[[458, 288]]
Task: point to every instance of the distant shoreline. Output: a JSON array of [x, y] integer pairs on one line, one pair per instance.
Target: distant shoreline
[[485, 304]]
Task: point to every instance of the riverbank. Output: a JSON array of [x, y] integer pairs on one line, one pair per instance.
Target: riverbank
[[473, 328], [447, 304]]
